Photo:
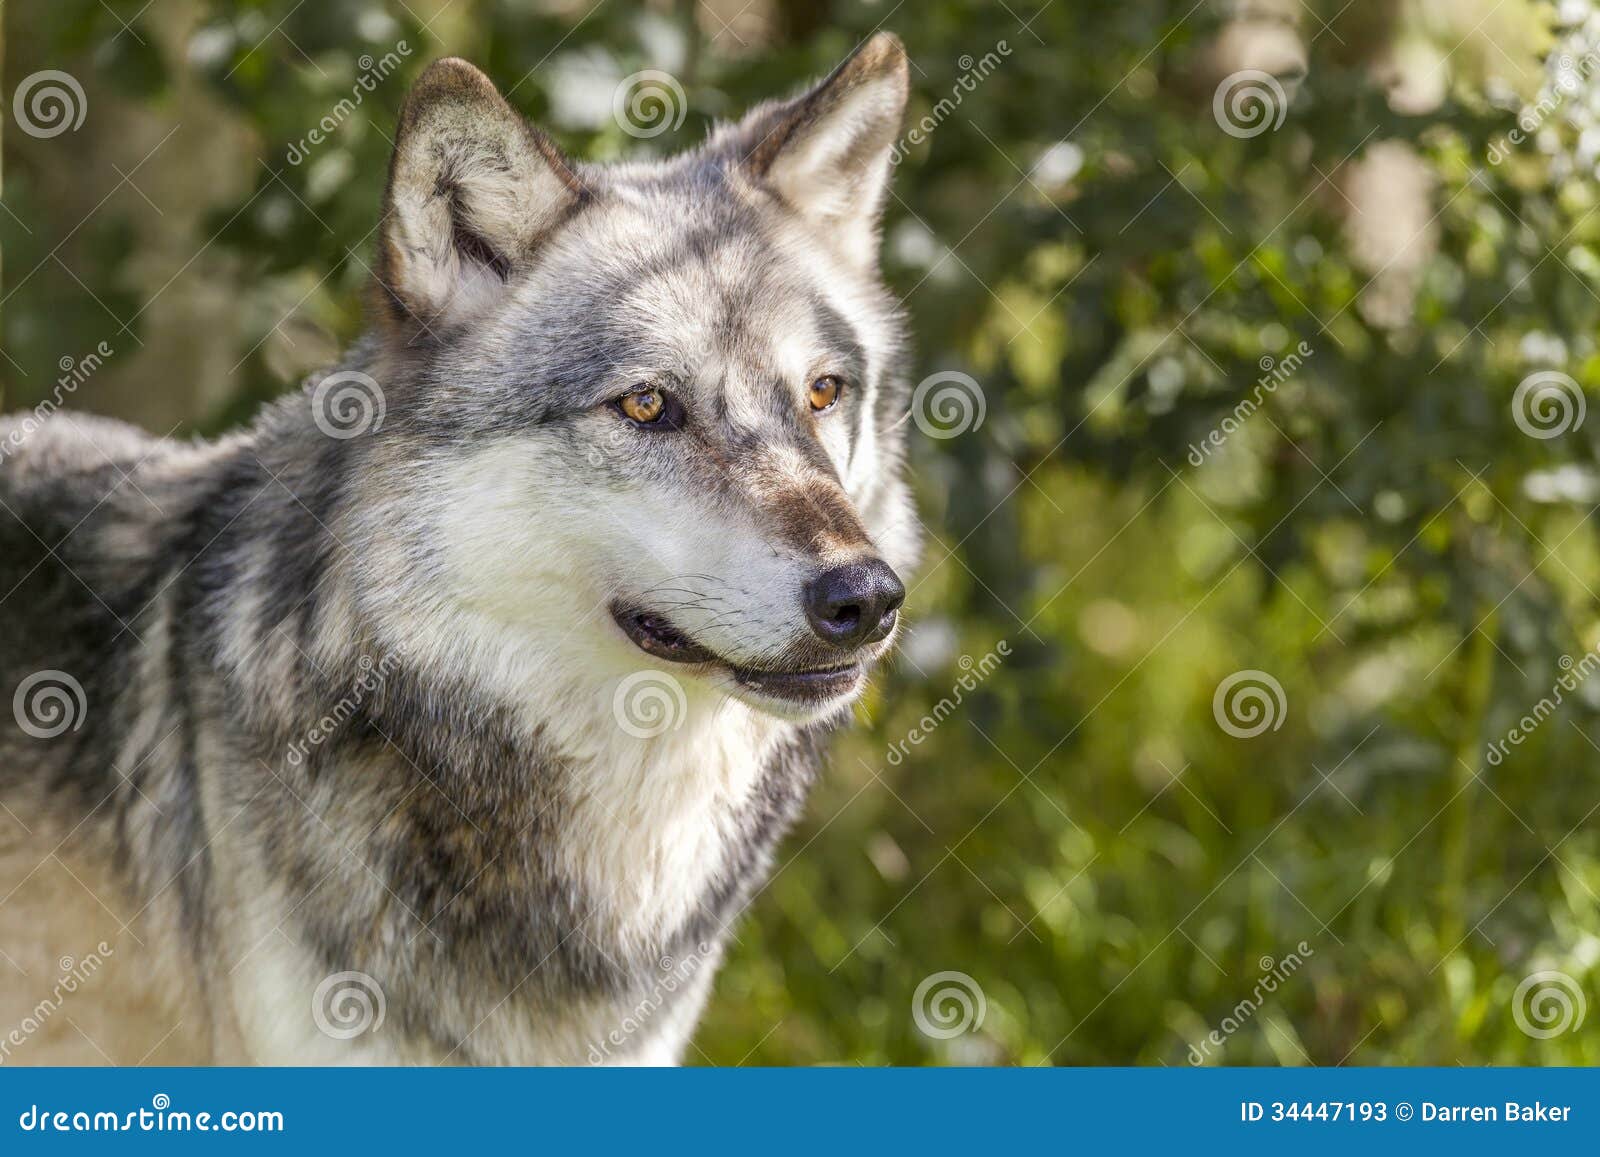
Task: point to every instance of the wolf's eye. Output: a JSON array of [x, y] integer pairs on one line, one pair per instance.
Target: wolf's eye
[[825, 392], [644, 405]]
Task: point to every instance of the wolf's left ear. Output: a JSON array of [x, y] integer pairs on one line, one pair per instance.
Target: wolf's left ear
[[827, 154], [472, 188]]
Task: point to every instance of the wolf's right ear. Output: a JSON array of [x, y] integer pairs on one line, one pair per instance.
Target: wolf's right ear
[[472, 188]]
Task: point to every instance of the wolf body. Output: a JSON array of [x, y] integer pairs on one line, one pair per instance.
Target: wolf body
[[451, 712]]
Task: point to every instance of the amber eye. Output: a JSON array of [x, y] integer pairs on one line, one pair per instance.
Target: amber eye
[[645, 404], [825, 392]]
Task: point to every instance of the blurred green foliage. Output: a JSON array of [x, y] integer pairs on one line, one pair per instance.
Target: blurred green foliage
[[1079, 836]]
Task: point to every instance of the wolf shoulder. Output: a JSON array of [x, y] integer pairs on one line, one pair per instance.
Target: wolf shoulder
[[65, 444]]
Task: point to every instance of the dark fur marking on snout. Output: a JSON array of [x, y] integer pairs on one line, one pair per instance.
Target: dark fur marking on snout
[[812, 518]]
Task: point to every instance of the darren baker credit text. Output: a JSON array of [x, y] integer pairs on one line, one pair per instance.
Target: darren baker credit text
[[1376, 1112]]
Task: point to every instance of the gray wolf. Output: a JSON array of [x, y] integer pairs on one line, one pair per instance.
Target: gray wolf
[[450, 713]]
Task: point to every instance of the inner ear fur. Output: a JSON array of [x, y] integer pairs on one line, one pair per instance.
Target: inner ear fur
[[472, 189]]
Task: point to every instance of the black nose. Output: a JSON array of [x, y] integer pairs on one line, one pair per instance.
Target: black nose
[[854, 604]]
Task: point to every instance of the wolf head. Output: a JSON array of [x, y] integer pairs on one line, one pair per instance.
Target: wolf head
[[650, 410]]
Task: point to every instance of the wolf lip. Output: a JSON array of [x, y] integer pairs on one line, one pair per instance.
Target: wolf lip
[[802, 686], [655, 636]]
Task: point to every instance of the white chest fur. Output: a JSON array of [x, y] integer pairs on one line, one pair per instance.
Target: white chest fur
[[655, 798]]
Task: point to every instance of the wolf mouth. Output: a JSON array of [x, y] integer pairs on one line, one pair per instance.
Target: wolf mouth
[[656, 636]]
